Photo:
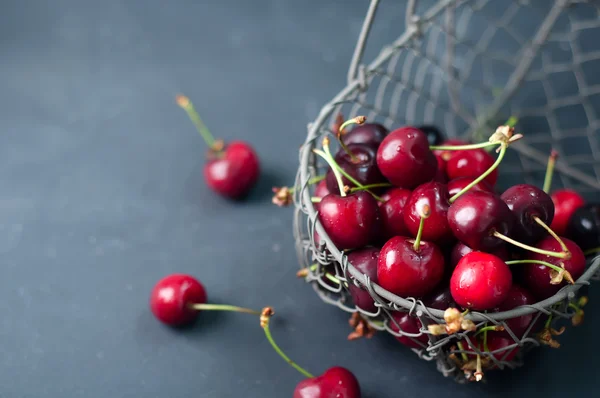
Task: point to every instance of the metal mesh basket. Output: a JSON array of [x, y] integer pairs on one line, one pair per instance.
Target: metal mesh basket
[[466, 66]]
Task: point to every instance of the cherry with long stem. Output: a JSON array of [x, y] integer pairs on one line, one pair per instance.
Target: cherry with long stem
[[185, 103], [360, 120], [561, 271], [221, 307], [550, 171], [425, 213], [563, 254]]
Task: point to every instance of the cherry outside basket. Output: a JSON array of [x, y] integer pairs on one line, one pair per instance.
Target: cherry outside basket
[[466, 67]]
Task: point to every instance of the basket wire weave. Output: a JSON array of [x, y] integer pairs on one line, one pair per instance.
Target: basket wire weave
[[466, 66]]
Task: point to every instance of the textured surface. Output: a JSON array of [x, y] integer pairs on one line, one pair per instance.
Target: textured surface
[[102, 195]]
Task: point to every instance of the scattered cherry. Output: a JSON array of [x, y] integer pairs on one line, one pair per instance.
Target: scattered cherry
[[456, 185], [405, 159], [335, 382], [361, 165], [566, 201], [434, 135], [471, 163], [584, 226], [365, 261], [480, 281], [408, 324], [517, 296], [232, 169], [392, 212], [434, 195]]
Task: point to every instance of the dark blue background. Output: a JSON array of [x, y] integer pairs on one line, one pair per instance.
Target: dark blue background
[[102, 194]]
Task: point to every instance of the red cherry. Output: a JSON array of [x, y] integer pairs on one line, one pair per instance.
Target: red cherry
[[480, 281], [517, 297], [405, 159], [456, 185], [566, 201], [336, 382], [172, 296], [408, 324], [441, 299], [440, 175], [392, 212], [471, 163], [362, 167], [409, 273], [528, 202], [495, 342], [365, 261], [351, 221], [476, 215], [435, 196], [321, 190], [460, 250], [536, 277], [234, 171]]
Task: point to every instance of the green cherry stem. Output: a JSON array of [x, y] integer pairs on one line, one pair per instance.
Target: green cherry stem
[[563, 255], [545, 263], [185, 103], [482, 176], [304, 272], [463, 147], [591, 251], [512, 121], [494, 328], [315, 199], [550, 171], [425, 213], [462, 354], [357, 120], [265, 317], [326, 155], [564, 247], [371, 186], [485, 335], [222, 307]]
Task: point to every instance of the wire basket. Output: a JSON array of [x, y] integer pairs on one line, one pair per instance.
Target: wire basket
[[466, 67]]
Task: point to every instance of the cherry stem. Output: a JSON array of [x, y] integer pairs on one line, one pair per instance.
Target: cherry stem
[[482, 176], [550, 170], [505, 238], [331, 162], [222, 307], [548, 322], [485, 335], [357, 120], [591, 251], [462, 354], [512, 121], [265, 316], [303, 272], [315, 199], [564, 247], [485, 329], [547, 264], [425, 213], [463, 147], [185, 103], [371, 186], [311, 181]]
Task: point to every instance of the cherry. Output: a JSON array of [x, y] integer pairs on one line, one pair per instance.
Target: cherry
[[517, 297], [471, 163], [441, 299], [460, 250], [434, 135], [405, 159], [408, 324], [232, 169], [495, 341], [456, 185], [371, 134], [365, 261], [537, 277], [434, 195], [176, 299], [584, 226], [476, 215], [566, 201], [440, 175], [444, 153], [360, 163], [320, 192], [480, 281], [410, 267], [533, 210], [392, 212], [335, 382]]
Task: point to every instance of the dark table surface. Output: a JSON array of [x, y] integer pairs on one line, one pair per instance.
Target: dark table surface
[[102, 195]]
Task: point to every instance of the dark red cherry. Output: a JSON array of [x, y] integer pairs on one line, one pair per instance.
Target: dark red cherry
[[566, 201], [444, 153], [496, 342], [434, 135], [172, 296], [584, 226], [336, 382], [460, 250], [233, 171], [392, 212], [408, 273], [320, 192], [471, 163], [480, 281], [536, 277], [476, 215], [405, 159], [456, 185], [435, 227], [517, 297], [363, 168], [408, 324], [351, 221], [441, 299], [440, 175], [368, 134], [365, 261], [527, 202]]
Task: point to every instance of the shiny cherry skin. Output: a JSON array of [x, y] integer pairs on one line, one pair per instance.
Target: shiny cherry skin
[[435, 228], [471, 163], [440, 175], [536, 277], [584, 226], [363, 169], [351, 221], [480, 281], [336, 382], [392, 212], [408, 273], [365, 261], [517, 296], [444, 153], [367, 134], [527, 202], [434, 135], [459, 250], [408, 324], [456, 185], [405, 159], [566, 201], [233, 172], [474, 217], [441, 299], [171, 296]]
